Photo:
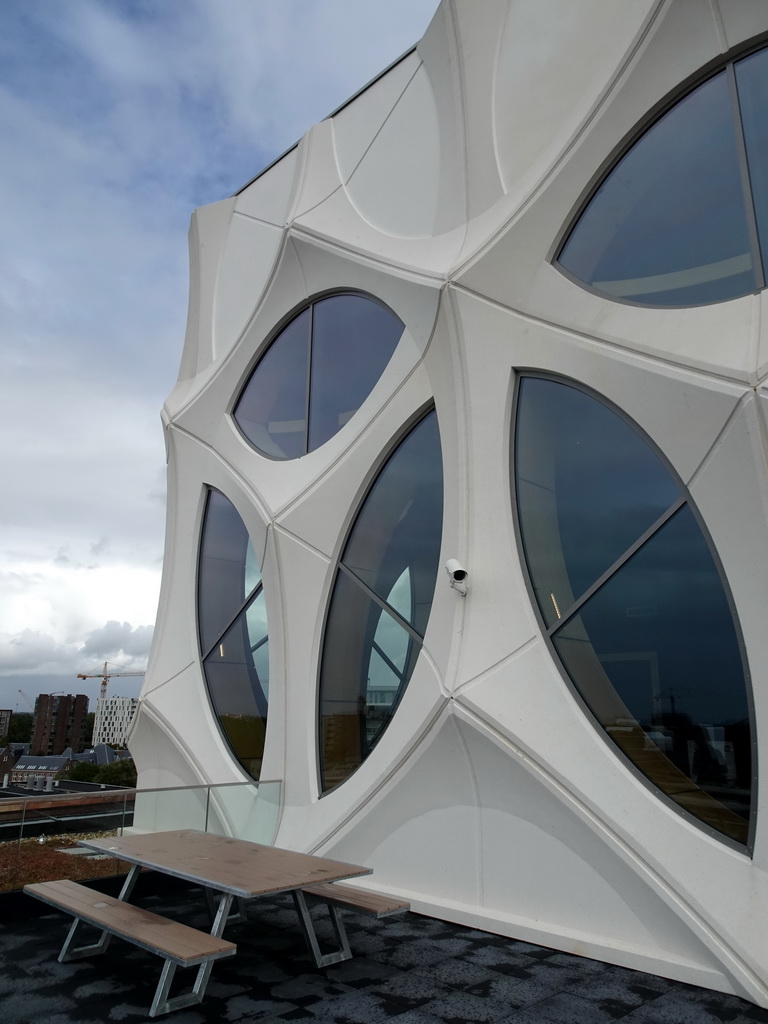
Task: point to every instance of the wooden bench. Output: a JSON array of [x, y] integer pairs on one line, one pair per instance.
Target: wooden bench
[[351, 897], [178, 944]]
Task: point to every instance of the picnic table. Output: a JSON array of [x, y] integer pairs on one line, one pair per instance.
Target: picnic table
[[226, 869], [230, 868]]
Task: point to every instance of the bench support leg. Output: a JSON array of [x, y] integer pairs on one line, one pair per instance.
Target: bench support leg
[[70, 952], [162, 1004], [214, 901], [308, 927]]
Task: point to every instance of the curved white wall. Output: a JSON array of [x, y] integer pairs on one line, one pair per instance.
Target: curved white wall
[[491, 798]]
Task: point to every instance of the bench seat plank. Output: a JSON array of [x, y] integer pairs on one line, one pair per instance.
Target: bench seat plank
[[352, 897], [180, 943]]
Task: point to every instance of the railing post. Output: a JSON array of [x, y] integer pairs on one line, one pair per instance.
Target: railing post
[[21, 824], [207, 806]]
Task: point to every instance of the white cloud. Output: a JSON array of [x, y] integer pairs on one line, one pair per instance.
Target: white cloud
[[117, 120]]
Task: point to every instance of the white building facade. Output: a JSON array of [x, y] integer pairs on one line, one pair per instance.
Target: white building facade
[[112, 720], [468, 485]]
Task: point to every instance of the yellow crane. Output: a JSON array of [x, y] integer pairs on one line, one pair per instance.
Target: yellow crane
[[105, 676]]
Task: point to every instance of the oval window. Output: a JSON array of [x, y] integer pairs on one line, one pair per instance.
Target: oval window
[[380, 603], [633, 601], [232, 626], [316, 374], [679, 219]]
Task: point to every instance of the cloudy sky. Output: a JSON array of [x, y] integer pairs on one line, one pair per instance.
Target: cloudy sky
[[117, 119]]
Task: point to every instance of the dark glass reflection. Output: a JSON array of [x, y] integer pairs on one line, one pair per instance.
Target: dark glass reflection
[[752, 81], [223, 584], [668, 226], [272, 410], [396, 526], [654, 651], [586, 477], [352, 341], [371, 646], [316, 374], [232, 622]]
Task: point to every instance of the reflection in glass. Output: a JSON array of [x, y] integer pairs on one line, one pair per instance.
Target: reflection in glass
[[352, 341], [232, 623], [380, 603], [316, 374], [272, 410], [669, 225], [652, 648], [752, 80]]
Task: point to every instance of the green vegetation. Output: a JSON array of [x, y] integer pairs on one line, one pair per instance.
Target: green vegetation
[[20, 730], [119, 773]]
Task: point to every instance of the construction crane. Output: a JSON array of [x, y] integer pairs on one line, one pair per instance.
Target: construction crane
[[105, 676], [27, 698]]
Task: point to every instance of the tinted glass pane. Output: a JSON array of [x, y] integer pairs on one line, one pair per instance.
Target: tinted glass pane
[[588, 486], [752, 79], [655, 655], [668, 225], [239, 699], [271, 411], [358, 688], [222, 585], [352, 341], [368, 656], [400, 523]]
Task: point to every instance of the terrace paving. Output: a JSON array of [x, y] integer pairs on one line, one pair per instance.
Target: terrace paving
[[408, 969]]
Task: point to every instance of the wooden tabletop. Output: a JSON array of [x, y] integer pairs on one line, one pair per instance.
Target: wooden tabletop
[[229, 865]]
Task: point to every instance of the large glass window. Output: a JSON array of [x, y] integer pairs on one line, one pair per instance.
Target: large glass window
[[633, 601], [680, 219], [316, 374], [380, 602], [232, 625]]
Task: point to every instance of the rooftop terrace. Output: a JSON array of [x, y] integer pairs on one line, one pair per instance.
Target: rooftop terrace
[[411, 969]]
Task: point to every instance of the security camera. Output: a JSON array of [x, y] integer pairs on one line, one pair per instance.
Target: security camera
[[457, 574]]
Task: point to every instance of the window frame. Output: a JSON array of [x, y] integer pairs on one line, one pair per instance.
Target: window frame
[[345, 533], [206, 491], [272, 338], [686, 499], [723, 62]]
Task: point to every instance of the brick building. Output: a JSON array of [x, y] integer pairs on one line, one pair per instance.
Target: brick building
[[59, 722]]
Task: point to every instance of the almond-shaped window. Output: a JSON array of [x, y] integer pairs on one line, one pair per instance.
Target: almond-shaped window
[[380, 603], [316, 374], [681, 219], [633, 601], [232, 625]]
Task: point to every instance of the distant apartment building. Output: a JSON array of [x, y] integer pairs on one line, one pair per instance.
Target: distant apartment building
[[59, 722], [113, 720], [5, 720]]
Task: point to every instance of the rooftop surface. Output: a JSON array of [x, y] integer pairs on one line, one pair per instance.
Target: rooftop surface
[[407, 969]]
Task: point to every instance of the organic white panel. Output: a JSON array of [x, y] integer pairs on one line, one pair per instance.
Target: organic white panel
[[760, 337], [708, 884], [553, 65], [163, 763], [417, 833], [244, 273], [395, 186], [321, 515], [357, 124], [268, 198], [682, 411], [547, 865], [741, 19], [207, 237], [176, 725], [318, 174], [301, 594]]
